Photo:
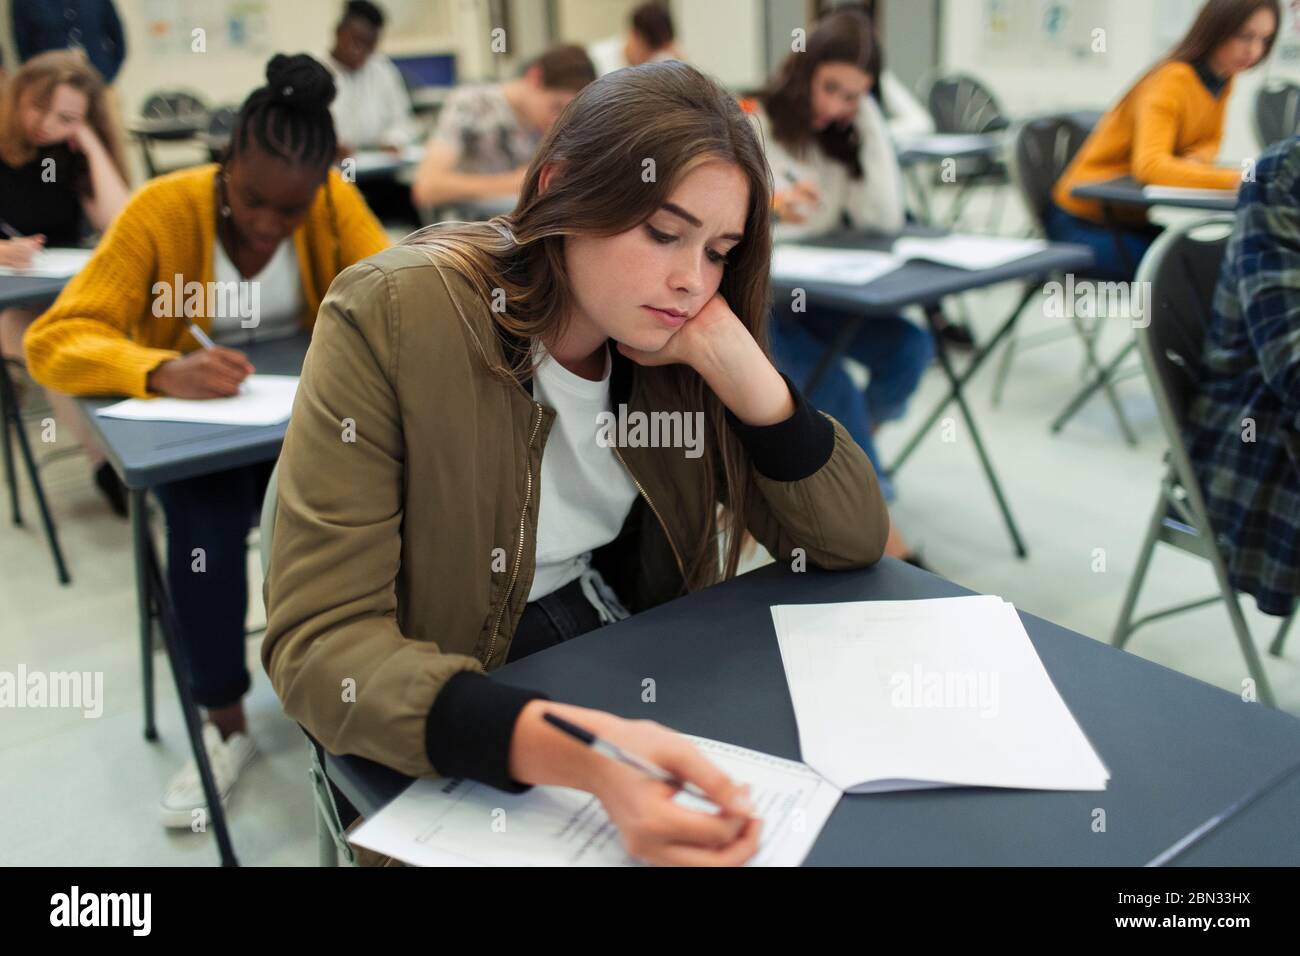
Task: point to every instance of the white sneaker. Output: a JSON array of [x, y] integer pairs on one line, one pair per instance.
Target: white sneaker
[[184, 794]]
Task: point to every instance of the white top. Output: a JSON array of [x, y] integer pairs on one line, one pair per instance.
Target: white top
[[907, 117], [874, 202], [273, 297], [372, 107], [585, 492]]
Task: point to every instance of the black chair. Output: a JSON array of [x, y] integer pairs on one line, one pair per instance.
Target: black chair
[[1277, 112], [168, 116], [1042, 149], [1182, 268], [959, 103], [221, 124]]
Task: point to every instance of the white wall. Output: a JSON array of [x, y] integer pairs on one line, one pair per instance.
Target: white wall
[[1136, 33]]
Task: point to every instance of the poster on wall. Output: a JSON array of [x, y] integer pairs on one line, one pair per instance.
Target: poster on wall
[[1032, 29], [1287, 47], [176, 26]]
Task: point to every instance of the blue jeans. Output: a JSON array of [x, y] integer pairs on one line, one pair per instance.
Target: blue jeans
[[213, 512], [1107, 262], [894, 350]]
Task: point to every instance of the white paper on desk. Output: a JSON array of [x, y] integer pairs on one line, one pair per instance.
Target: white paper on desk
[[946, 142], [967, 252], [372, 159], [262, 400], [450, 822], [897, 695], [796, 263], [1188, 192], [53, 263]]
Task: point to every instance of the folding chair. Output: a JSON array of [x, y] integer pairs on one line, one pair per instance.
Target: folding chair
[[962, 104], [169, 116], [331, 842], [1277, 112], [1182, 268], [1042, 149]]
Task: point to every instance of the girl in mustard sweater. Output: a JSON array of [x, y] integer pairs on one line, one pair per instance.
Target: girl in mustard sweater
[[1166, 129], [273, 213]]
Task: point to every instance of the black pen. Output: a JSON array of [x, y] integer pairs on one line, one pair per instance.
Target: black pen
[[616, 752]]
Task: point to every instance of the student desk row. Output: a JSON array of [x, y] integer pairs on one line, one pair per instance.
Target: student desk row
[[1179, 751], [927, 285]]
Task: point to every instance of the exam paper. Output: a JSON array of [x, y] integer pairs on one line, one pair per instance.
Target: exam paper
[[967, 252], [897, 695], [262, 400], [450, 822], [368, 160], [795, 263], [53, 263]]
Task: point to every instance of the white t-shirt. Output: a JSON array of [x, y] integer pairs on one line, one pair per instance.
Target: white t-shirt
[[278, 298], [371, 107], [585, 492]]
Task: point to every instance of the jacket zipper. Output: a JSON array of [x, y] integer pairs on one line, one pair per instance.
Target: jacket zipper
[[519, 550], [681, 568]]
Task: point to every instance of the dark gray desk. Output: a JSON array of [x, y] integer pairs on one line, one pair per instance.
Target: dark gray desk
[[1178, 750], [148, 454], [927, 284], [1126, 191], [29, 290]]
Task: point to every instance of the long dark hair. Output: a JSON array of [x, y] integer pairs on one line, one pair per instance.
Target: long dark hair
[[1215, 23], [601, 146], [846, 36]]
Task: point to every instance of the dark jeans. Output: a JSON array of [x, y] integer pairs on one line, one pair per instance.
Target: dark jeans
[[546, 622], [209, 590], [1107, 262]]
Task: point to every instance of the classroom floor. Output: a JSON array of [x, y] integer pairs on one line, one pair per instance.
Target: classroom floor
[[80, 791]]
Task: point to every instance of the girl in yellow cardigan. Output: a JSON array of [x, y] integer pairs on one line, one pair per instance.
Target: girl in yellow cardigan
[[277, 219], [1166, 129]]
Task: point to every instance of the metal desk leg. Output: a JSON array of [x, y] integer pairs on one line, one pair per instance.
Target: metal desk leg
[[158, 599], [955, 394], [7, 420], [833, 352], [12, 420], [144, 607]]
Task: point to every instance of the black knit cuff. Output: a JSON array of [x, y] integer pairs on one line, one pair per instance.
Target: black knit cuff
[[470, 727], [790, 450]]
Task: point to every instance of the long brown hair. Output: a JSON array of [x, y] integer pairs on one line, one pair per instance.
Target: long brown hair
[[846, 36], [1215, 23], [41, 75], [661, 118]]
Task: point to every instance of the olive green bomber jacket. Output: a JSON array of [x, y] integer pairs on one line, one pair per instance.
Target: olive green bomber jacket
[[407, 513]]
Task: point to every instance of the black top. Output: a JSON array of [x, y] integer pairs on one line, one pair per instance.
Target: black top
[[1212, 81], [42, 196]]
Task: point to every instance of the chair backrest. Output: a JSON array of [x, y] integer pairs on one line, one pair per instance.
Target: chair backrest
[[962, 104], [221, 121], [1277, 112], [1043, 147], [1179, 272], [187, 109], [267, 525]]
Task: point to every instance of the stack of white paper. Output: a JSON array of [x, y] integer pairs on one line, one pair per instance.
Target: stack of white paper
[[793, 263], [53, 263], [895, 695], [968, 252], [452, 822], [262, 400]]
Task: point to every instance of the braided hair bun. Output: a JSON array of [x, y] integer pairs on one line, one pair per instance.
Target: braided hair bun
[[299, 82]]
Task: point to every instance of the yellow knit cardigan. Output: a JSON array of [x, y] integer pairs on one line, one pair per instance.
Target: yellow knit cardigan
[[101, 337]]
